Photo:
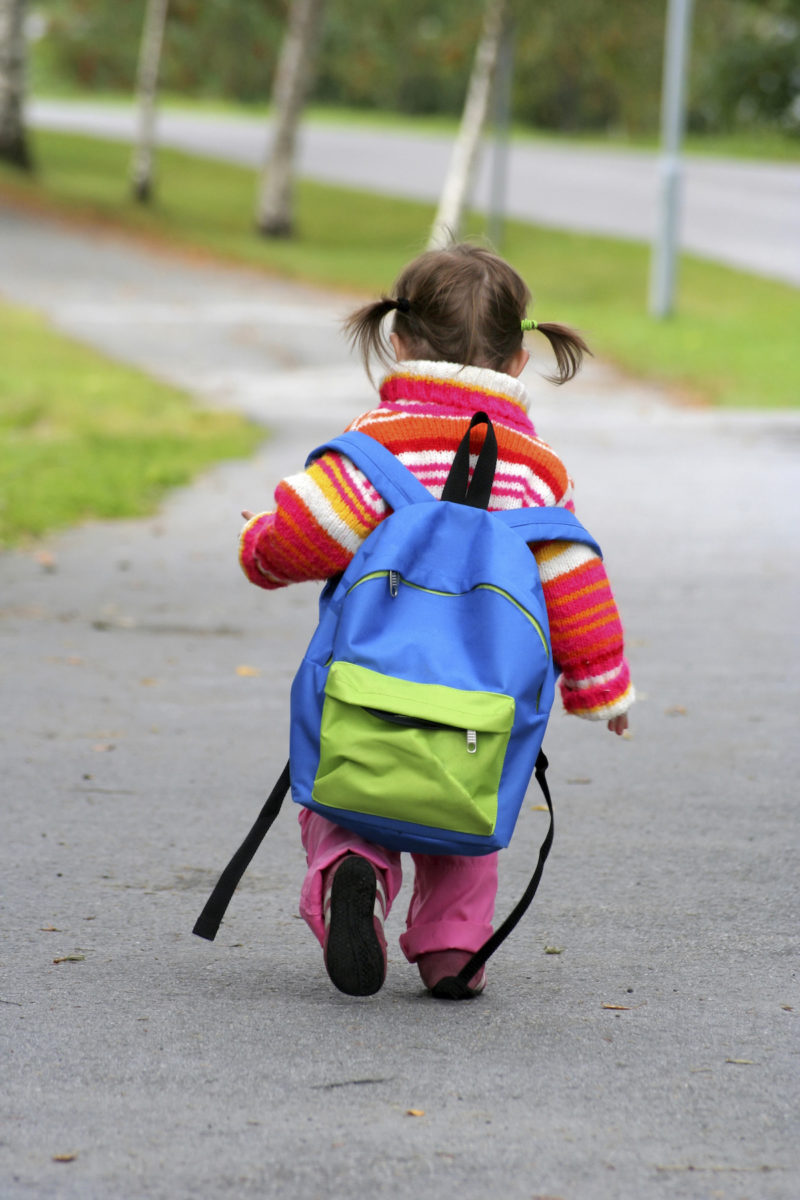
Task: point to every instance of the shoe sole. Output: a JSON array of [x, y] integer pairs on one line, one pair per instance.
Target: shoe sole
[[354, 955]]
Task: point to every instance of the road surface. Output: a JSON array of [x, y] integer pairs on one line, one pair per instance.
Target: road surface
[[743, 214], [144, 699]]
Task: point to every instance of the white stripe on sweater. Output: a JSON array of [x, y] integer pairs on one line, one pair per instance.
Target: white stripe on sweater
[[566, 560], [577, 685], [304, 486]]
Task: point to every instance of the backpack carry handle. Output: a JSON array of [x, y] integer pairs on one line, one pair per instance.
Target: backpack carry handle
[[475, 492]]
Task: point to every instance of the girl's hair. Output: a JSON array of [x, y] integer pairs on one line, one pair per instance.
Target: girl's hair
[[462, 304]]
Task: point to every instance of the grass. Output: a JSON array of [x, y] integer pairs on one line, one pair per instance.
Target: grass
[[732, 343], [83, 437]]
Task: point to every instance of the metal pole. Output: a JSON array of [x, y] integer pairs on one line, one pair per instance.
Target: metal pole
[[673, 118], [502, 119]]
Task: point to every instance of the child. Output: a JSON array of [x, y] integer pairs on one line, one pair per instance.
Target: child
[[458, 321]]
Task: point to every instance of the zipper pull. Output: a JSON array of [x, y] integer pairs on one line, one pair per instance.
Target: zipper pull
[[472, 741], [394, 583]]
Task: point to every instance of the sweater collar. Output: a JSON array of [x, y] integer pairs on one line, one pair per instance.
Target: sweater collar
[[455, 386]]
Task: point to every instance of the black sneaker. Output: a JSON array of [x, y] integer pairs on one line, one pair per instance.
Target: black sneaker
[[354, 909]]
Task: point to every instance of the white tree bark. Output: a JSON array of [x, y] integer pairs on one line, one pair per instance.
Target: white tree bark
[[463, 160], [13, 142], [274, 213], [142, 159]]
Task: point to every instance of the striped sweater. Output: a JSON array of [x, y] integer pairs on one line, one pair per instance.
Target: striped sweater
[[323, 514]]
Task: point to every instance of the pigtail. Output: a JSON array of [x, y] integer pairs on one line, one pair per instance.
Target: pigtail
[[569, 348], [364, 330]]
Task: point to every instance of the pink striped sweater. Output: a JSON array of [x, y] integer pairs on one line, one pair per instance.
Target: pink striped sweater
[[322, 515]]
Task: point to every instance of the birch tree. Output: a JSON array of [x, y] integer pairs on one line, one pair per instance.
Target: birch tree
[[13, 141], [274, 213], [463, 160], [155, 20]]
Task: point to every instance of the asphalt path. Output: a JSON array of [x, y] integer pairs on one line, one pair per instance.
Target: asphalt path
[[743, 214], [654, 1057]]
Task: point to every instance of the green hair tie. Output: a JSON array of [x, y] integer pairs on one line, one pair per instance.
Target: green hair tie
[[529, 323]]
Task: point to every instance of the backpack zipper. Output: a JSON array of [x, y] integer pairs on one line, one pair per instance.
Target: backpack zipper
[[423, 723], [395, 579]]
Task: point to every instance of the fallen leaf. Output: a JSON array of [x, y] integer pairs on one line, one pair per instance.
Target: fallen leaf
[[579, 779], [553, 950], [74, 660], [676, 710], [246, 672], [538, 808], [415, 1112], [64, 1157], [46, 560], [70, 958], [619, 1007], [49, 929], [148, 682], [787, 1008], [741, 1062], [103, 747]]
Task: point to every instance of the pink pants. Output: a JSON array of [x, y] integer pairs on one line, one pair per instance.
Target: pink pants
[[452, 904]]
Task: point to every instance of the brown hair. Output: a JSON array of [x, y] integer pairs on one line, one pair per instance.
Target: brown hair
[[462, 304]]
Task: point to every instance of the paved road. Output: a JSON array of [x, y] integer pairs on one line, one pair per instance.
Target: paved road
[[743, 214], [134, 756]]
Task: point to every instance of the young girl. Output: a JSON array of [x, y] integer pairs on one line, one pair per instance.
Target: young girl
[[457, 338]]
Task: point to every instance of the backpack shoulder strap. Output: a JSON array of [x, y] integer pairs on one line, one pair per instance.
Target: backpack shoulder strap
[[210, 918], [386, 473], [548, 525], [456, 987]]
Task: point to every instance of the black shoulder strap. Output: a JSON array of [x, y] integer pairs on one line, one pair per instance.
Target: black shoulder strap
[[476, 492], [456, 987], [208, 922]]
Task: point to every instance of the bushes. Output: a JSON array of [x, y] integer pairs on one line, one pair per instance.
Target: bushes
[[579, 65]]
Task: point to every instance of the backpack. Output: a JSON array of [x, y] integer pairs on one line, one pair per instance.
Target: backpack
[[419, 708]]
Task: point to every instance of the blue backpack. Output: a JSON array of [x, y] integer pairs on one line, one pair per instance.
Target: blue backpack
[[418, 711]]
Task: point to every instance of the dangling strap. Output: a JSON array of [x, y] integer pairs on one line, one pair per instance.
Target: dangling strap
[[208, 922], [456, 987], [477, 491]]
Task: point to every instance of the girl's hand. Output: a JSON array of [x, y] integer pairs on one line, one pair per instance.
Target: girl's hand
[[619, 724], [248, 516]]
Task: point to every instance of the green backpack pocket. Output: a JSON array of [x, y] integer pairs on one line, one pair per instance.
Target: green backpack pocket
[[417, 752]]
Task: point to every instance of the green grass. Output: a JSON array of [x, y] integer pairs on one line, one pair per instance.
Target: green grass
[[733, 341], [82, 437]]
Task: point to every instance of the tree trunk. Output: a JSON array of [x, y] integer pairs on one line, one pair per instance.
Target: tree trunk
[[155, 21], [274, 215], [13, 142], [461, 170]]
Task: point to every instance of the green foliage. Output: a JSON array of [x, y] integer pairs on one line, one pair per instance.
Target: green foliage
[[413, 57], [212, 48], [82, 437], [580, 65], [753, 80], [733, 341]]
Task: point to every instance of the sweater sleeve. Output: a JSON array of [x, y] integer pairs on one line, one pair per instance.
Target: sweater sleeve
[[585, 631], [321, 517]]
